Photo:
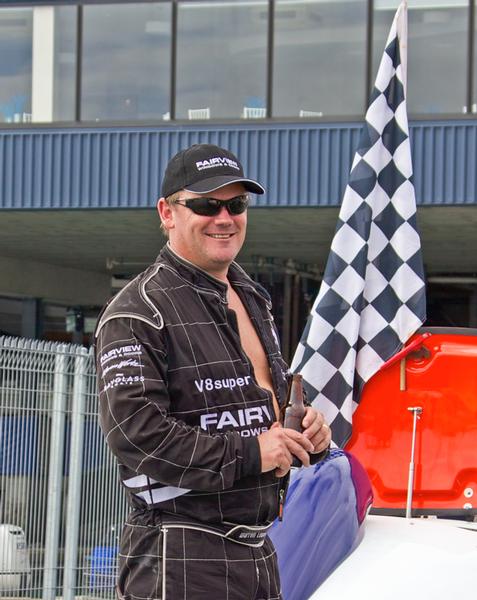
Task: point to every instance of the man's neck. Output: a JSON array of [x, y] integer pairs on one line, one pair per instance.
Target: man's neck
[[220, 274]]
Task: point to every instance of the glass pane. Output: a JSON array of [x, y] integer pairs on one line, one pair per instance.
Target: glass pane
[[64, 64], [437, 54], [222, 59], [15, 64], [126, 62], [320, 58], [474, 100]]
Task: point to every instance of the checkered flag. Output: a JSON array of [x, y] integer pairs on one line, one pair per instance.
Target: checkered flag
[[372, 297]]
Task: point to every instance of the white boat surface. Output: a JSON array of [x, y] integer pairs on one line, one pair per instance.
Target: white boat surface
[[415, 559]]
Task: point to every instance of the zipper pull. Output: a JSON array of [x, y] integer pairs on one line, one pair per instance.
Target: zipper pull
[[281, 502]]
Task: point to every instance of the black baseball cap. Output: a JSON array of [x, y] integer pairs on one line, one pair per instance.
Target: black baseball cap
[[204, 168]]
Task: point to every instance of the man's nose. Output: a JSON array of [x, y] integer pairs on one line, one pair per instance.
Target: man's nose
[[223, 215]]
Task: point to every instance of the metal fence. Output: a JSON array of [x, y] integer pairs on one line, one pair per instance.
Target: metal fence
[[60, 500]]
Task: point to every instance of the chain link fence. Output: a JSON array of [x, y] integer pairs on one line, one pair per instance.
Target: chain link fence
[[61, 505]]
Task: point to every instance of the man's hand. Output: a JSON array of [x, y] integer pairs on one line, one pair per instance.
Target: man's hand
[[316, 430], [278, 446]]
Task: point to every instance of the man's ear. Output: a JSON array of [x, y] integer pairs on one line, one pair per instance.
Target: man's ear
[[165, 213]]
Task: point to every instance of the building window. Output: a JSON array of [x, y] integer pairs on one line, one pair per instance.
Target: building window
[[319, 58], [221, 59], [126, 62], [437, 53], [64, 96], [16, 27]]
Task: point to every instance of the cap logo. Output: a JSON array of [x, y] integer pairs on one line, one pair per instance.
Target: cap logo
[[216, 162]]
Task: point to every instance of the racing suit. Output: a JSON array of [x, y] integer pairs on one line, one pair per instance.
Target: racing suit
[[180, 408]]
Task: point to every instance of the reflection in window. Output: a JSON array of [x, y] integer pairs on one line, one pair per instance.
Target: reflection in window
[[221, 58], [64, 61], [320, 57], [126, 61], [437, 54], [15, 64]]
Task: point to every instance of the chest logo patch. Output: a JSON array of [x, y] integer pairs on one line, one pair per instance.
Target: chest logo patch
[[241, 417], [230, 383]]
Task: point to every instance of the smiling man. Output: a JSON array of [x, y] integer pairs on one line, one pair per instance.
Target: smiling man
[[191, 383]]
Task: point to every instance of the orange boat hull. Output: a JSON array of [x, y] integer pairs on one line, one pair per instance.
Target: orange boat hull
[[441, 378]]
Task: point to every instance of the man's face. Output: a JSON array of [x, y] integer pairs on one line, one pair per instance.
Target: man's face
[[211, 243]]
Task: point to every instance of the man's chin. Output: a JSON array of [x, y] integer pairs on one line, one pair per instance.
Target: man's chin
[[224, 255], [219, 264]]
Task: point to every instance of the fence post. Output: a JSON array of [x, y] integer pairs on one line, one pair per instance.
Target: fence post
[[55, 476], [73, 505]]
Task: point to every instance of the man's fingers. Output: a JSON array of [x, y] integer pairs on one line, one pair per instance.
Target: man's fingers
[[279, 445], [298, 445], [274, 452], [312, 422], [310, 417], [317, 431], [320, 445], [281, 472], [299, 451], [318, 440], [299, 438], [312, 430], [285, 458], [322, 439]]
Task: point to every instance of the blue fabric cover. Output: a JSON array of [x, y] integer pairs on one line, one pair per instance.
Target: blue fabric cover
[[320, 524]]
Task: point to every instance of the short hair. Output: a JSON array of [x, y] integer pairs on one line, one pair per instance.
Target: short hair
[[172, 199]]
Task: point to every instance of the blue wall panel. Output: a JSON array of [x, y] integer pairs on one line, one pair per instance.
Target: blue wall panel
[[445, 162], [299, 164]]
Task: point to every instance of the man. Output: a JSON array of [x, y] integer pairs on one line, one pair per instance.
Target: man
[[191, 382]]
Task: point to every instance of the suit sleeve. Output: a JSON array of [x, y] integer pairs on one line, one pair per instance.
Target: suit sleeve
[[131, 361]]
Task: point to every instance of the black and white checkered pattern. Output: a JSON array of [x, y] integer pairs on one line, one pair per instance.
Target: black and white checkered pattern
[[372, 297]]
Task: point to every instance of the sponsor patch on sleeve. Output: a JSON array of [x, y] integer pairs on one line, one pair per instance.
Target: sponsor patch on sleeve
[[121, 366]]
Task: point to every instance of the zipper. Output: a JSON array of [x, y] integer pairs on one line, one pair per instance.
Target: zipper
[[267, 302], [281, 502], [164, 551]]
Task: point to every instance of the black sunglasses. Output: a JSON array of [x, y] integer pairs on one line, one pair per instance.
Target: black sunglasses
[[211, 207]]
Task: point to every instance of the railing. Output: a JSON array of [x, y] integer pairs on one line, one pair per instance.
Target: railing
[[60, 501]]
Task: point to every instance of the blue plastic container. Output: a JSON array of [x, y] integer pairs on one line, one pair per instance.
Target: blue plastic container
[[103, 566]]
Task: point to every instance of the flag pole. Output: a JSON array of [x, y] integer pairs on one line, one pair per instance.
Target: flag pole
[[402, 24]]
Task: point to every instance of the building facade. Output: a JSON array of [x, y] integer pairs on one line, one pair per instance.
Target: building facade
[[95, 98]]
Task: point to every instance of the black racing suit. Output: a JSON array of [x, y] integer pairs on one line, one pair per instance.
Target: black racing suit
[[180, 408]]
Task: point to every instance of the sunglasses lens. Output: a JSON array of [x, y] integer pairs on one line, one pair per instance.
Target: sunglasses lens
[[206, 207], [210, 207], [238, 205]]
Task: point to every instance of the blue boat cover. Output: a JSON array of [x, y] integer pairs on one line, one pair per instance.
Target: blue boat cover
[[323, 522]]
